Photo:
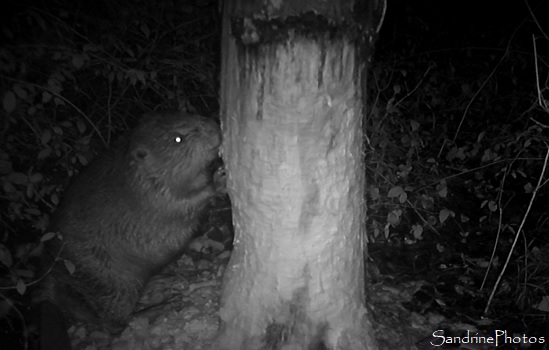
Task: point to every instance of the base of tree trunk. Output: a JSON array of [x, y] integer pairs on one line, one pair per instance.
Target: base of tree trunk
[[298, 334]]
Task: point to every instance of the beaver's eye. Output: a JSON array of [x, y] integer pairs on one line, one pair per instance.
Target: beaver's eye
[[177, 138]]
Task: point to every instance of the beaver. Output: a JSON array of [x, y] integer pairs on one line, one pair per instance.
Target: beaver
[[130, 213]]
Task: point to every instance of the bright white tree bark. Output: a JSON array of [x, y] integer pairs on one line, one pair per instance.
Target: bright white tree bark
[[292, 126]]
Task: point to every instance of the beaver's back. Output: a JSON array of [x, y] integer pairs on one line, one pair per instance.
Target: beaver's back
[[129, 213]]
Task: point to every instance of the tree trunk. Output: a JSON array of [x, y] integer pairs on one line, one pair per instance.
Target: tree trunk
[[291, 107]]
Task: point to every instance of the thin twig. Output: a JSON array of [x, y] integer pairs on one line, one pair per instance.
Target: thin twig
[[517, 235], [463, 172], [415, 87], [540, 99], [506, 52], [500, 210]]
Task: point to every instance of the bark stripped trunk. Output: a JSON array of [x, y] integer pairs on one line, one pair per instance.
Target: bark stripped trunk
[[292, 124]]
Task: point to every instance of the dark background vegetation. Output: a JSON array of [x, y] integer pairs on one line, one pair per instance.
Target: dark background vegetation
[[456, 132], [456, 143]]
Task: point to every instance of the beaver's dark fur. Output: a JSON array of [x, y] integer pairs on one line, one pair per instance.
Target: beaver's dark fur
[[128, 214]]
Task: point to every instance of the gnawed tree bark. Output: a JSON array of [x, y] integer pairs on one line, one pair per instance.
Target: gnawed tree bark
[[291, 106]]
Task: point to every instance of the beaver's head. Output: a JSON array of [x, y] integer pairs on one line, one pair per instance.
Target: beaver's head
[[175, 153]]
